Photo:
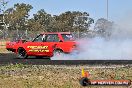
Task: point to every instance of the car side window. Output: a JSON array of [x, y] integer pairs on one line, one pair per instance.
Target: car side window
[[67, 37], [52, 38], [38, 38]]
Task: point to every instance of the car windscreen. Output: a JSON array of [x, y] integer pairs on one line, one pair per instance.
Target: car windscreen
[[67, 37]]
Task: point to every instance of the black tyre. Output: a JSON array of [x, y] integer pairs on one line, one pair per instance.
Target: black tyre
[[39, 57], [57, 52], [84, 81], [22, 54]]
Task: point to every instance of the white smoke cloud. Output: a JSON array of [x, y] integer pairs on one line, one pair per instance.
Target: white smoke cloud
[[101, 49], [118, 47]]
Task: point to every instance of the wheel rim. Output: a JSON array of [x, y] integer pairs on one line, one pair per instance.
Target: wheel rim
[[22, 53]]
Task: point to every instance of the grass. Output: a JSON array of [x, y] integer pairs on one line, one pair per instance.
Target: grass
[[49, 76]]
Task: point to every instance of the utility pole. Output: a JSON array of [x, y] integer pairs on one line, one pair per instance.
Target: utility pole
[[107, 12]]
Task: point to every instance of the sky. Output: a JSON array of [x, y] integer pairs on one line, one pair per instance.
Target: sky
[[96, 8]]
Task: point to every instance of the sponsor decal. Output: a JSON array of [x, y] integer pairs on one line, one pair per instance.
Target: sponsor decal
[[38, 48]]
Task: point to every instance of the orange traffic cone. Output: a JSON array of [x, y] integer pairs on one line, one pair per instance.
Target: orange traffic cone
[[85, 73]]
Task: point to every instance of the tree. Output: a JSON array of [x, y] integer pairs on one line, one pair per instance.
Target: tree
[[83, 21], [65, 21], [3, 26], [40, 21], [103, 27], [17, 16]]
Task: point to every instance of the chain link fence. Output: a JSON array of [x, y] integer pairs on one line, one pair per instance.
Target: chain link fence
[[17, 34], [30, 35]]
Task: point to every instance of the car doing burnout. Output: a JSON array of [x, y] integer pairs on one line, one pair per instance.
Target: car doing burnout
[[46, 44]]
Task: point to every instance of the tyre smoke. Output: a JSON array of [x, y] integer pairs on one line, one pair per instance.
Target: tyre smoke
[[117, 47]]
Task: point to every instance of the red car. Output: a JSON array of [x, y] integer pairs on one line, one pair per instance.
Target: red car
[[46, 44]]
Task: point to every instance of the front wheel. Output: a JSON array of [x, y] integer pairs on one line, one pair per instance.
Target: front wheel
[[22, 54]]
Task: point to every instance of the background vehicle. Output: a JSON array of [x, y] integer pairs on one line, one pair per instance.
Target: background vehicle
[[46, 44]]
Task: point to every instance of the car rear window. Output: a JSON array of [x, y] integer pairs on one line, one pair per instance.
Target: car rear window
[[67, 37], [52, 38]]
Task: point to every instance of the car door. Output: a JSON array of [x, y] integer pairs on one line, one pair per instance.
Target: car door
[[52, 40], [55, 41], [38, 47]]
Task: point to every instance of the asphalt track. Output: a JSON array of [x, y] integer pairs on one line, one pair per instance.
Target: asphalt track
[[8, 58]]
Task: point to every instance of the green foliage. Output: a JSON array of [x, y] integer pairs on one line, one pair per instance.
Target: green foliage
[[17, 16], [65, 21], [17, 19], [40, 21], [43, 21]]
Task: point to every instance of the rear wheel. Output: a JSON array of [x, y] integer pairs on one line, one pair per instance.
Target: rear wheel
[[57, 52], [39, 57], [22, 54]]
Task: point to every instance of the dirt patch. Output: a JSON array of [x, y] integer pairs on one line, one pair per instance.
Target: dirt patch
[[4, 50], [3, 47]]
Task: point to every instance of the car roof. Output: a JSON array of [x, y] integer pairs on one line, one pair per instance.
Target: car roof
[[56, 33]]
